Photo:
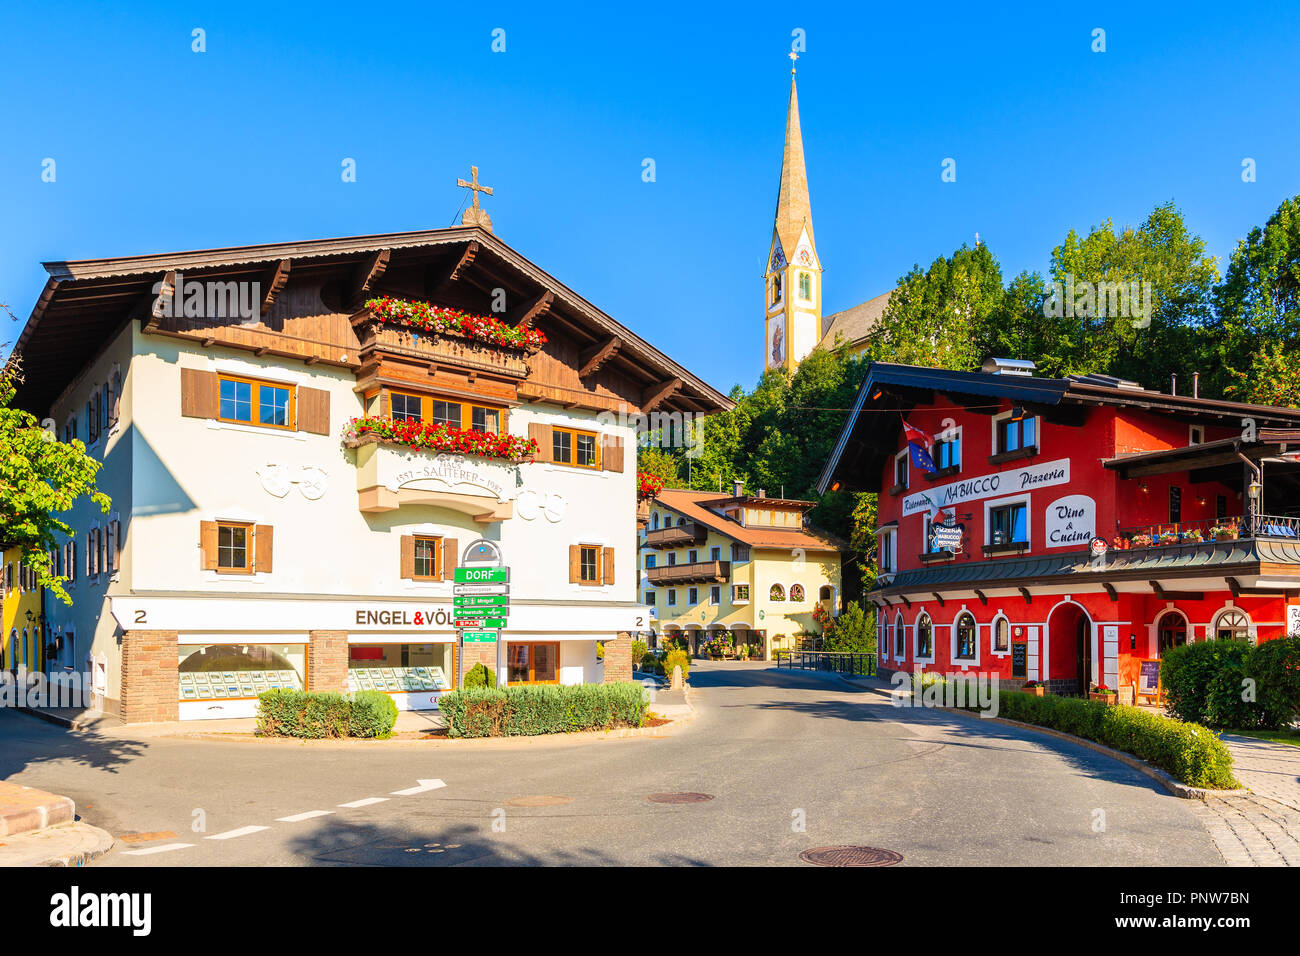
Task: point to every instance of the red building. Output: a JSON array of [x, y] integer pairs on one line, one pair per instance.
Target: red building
[[1074, 527]]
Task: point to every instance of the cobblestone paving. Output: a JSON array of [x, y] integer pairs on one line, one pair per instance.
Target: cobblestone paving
[[1263, 827]]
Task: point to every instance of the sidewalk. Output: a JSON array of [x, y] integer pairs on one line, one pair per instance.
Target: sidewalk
[[41, 829]]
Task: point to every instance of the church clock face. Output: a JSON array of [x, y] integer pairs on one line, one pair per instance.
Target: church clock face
[[805, 257], [778, 259]]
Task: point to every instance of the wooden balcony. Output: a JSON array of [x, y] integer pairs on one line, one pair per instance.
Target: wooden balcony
[[679, 536], [698, 572], [436, 350]]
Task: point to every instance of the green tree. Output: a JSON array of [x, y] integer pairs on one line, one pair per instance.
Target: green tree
[[854, 630], [40, 477], [1272, 379]]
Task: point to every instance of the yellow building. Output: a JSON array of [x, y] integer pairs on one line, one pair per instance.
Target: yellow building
[[745, 564], [20, 615]]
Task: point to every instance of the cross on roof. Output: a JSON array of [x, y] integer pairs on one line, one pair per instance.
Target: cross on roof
[[474, 186], [793, 56], [474, 216]]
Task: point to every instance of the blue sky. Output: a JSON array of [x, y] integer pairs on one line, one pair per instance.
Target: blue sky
[[159, 148]]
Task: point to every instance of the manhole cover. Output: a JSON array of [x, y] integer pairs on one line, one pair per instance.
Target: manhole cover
[[850, 856], [679, 797], [539, 800]]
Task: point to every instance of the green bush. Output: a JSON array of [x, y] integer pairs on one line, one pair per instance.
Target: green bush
[[677, 658], [373, 714], [1274, 666], [639, 651], [298, 713], [480, 676], [1185, 675], [542, 709], [650, 662]]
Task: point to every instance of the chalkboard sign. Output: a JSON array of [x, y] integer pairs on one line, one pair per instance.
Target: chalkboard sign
[[1148, 678], [1020, 659]]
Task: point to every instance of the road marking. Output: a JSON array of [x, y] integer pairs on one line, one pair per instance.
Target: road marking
[[146, 837], [424, 787], [363, 803], [231, 834], [156, 849], [299, 817]]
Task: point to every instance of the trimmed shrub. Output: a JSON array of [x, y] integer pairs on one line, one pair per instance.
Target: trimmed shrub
[[677, 658], [299, 713], [373, 714], [542, 709], [650, 662], [1185, 675], [480, 675], [639, 651], [1275, 668]]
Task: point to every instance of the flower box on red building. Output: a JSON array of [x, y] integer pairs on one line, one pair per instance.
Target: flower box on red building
[[1080, 525]]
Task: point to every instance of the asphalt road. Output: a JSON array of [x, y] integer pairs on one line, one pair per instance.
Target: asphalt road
[[792, 762]]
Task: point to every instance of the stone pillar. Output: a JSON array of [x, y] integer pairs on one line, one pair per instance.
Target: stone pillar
[[618, 659], [478, 652], [327, 662], [150, 677]]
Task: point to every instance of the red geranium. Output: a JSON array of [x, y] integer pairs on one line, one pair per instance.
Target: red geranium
[[442, 437], [448, 321]]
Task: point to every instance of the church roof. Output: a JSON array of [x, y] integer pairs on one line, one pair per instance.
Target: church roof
[[793, 208], [853, 325]]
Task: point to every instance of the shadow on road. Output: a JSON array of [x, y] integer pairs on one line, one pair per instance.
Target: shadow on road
[[27, 741]]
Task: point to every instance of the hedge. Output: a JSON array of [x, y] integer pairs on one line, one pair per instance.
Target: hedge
[[314, 716], [1232, 683], [542, 709]]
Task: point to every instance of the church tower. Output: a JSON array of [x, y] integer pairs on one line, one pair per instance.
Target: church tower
[[793, 295]]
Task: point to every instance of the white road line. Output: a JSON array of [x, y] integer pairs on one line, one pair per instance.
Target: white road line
[[165, 848], [363, 803], [231, 834], [299, 817], [424, 787]]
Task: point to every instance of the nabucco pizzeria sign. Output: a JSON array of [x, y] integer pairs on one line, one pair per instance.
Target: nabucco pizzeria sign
[[990, 486]]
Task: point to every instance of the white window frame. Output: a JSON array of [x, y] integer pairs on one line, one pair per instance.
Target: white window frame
[[887, 540], [1212, 633], [916, 638], [964, 662], [1019, 499], [993, 630], [1191, 434], [961, 456], [1002, 417], [740, 601], [906, 455], [899, 626]]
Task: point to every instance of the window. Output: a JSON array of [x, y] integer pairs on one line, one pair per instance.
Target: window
[[672, 558], [900, 637], [404, 408], [445, 413], [252, 402], [740, 594], [672, 597], [927, 541], [234, 544], [776, 289], [900, 469], [692, 556], [70, 430], [398, 668], [715, 595], [1232, 625], [650, 598], [966, 638], [1175, 504], [426, 557], [569, 447], [1016, 434], [650, 561], [805, 286], [483, 419], [947, 454], [533, 663], [105, 404], [776, 593], [886, 562], [796, 593], [1221, 506], [1195, 435], [1009, 524], [924, 637], [824, 593], [692, 597], [589, 565], [1001, 635], [740, 552], [715, 554]]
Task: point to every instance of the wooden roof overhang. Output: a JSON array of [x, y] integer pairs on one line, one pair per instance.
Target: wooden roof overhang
[[85, 302]]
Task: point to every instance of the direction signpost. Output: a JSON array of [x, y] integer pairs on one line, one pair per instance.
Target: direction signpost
[[481, 598]]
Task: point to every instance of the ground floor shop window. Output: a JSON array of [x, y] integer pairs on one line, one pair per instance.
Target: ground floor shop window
[[239, 671], [533, 663], [398, 668]]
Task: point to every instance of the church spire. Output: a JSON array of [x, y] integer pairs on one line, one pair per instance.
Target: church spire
[[793, 208]]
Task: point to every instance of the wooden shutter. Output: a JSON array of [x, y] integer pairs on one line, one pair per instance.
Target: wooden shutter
[[200, 393], [408, 557], [314, 410], [611, 453], [607, 560], [450, 558], [542, 435], [117, 545], [575, 564], [208, 542], [263, 546]]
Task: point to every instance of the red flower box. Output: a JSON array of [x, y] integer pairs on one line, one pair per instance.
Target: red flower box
[[447, 321], [442, 437]]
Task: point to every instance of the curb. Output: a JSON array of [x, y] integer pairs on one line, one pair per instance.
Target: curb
[[65, 845], [84, 722], [1169, 783], [104, 843]]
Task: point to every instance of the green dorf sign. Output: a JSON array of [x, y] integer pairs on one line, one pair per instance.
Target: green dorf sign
[[482, 575]]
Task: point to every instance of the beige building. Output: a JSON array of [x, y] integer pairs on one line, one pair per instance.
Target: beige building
[[746, 564]]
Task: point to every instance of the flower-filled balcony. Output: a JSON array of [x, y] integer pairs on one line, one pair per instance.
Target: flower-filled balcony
[[443, 335], [1207, 531], [424, 463]]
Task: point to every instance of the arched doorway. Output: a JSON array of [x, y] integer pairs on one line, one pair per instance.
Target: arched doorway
[[1070, 639], [1171, 631]]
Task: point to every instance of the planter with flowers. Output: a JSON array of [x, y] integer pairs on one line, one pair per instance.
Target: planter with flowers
[[1224, 533], [648, 486], [440, 437], [1141, 540], [1034, 687], [1103, 694], [1167, 538]]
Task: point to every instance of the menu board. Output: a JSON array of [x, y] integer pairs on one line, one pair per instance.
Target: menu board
[[224, 685], [1019, 659], [1149, 678], [397, 679]]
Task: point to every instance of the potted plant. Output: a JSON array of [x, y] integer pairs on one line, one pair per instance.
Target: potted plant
[[1168, 537], [1100, 692], [1195, 536], [1034, 687], [1142, 540], [1224, 532]]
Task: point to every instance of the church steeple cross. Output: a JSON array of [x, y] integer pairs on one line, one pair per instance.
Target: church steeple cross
[[474, 186], [793, 56]]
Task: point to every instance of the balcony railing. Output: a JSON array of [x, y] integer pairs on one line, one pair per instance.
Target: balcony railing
[[1207, 530], [714, 572], [678, 536], [443, 349]]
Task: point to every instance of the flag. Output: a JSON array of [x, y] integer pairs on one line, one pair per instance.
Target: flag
[[922, 446], [938, 514]]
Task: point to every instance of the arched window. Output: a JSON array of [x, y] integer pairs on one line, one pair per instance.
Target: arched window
[[777, 593], [805, 286], [825, 593], [966, 638], [900, 636], [796, 593], [681, 521], [654, 521], [776, 289], [924, 636], [1232, 625], [1001, 635], [882, 627]]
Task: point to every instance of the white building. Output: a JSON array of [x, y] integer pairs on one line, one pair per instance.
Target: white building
[[258, 538]]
